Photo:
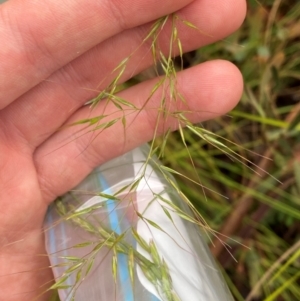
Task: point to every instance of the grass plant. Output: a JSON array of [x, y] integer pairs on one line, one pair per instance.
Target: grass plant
[[153, 266], [251, 157]]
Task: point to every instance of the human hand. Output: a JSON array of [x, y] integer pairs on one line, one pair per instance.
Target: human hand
[[50, 49]]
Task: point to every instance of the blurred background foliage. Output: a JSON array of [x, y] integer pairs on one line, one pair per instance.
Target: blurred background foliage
[[262, 213]]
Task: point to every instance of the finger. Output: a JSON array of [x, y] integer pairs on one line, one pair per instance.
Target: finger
[[58, 98], [210, 89], [42, 36]]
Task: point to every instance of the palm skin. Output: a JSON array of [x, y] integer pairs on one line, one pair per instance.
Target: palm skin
[[51, 49]]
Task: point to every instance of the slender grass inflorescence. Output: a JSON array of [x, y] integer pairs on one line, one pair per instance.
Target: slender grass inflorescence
[[150, 263]]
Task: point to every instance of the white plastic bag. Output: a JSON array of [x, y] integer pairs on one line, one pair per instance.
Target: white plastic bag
[[132, 246]]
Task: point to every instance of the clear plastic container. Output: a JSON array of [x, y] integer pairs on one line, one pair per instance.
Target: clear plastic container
[[132, 246]]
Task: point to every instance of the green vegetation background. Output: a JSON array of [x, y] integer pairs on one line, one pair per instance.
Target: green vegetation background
[[263, 209]]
